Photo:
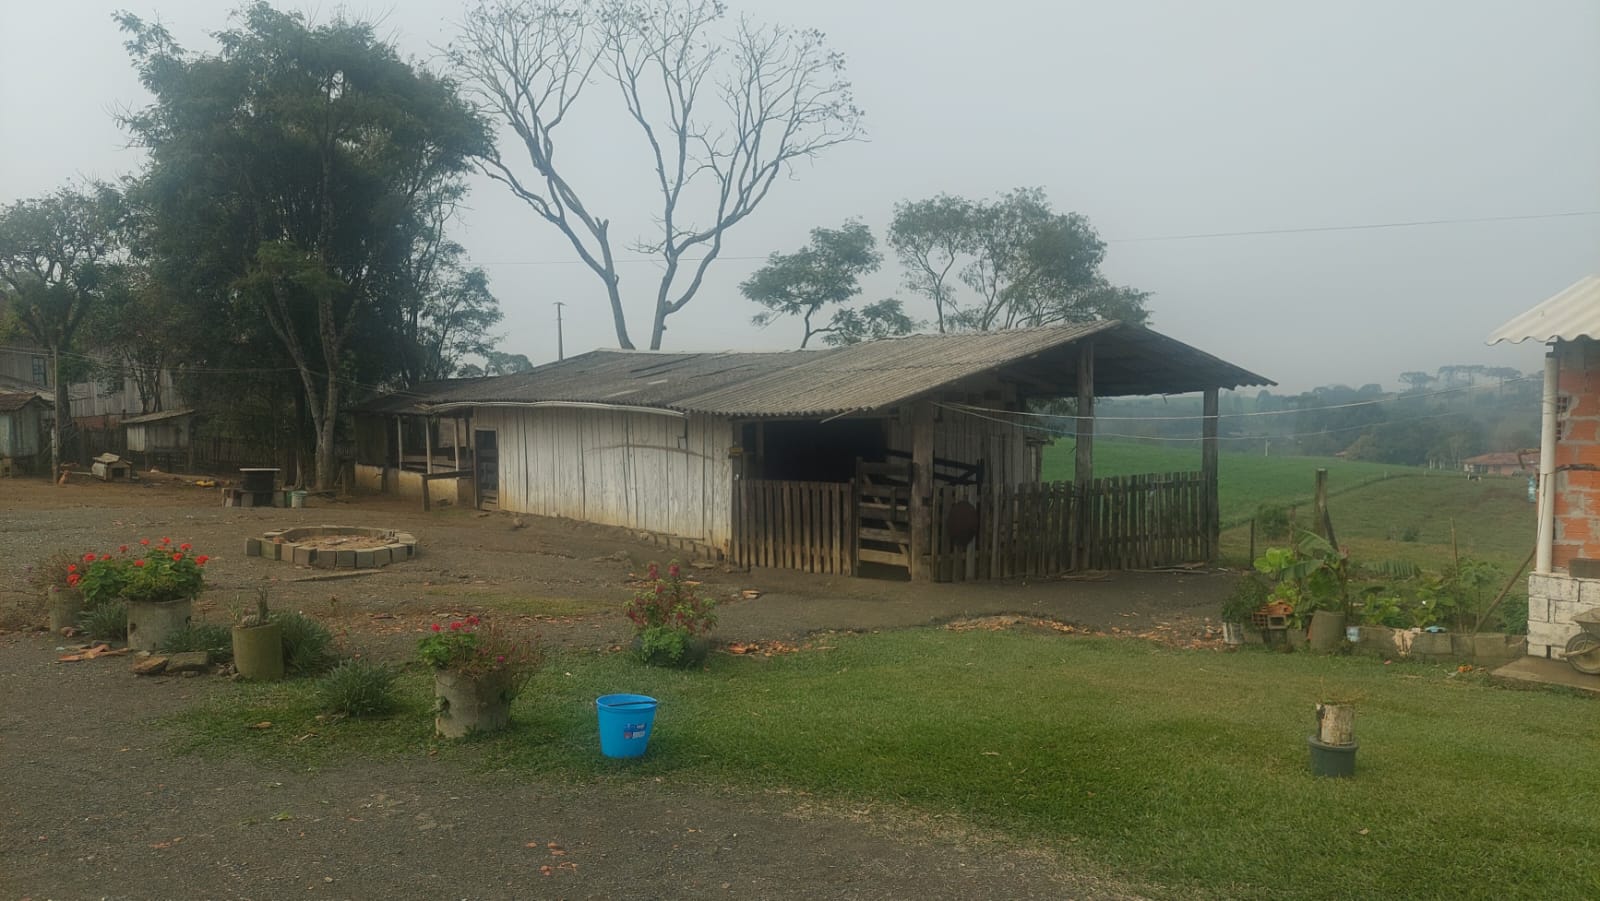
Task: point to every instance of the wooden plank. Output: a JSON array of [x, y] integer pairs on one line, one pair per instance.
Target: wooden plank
[[1212, 520], [891, 558], [922, 437]]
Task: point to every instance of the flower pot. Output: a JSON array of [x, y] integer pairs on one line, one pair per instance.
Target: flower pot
[[1334, 761], [466, 703], [1327, 630], [150, 622], [258, 652], [64, 607], [1233, 634]]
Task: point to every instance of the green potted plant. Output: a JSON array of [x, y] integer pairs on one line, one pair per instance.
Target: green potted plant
[[671, 619], [1249, 595], [478, 671], [1325, 574], [258, 644], [158, 583]]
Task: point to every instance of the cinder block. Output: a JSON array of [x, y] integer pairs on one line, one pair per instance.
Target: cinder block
[[1432, 644], [1562, 612], [411, 549], [363, 559], [304, 556], [1555, 635], [1554, 587], [323, 559], [381, 557], [1588, 592], [272, 550], [1538, 650], [345, 559], [252, 547]]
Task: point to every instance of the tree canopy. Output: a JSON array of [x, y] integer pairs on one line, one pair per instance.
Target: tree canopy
[[827, 271]]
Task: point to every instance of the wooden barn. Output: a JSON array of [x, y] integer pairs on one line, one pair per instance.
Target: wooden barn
[[24, 430], [916, 453]]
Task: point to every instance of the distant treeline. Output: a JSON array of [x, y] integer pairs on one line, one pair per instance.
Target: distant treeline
[[1438, 419]]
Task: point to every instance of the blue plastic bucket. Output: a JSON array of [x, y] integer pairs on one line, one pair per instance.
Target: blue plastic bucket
[[625, 724]]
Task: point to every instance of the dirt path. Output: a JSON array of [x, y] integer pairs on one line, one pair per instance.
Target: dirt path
[[93, 806]]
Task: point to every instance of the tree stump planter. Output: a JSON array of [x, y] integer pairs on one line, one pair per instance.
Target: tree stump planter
[[1327, 630], [258, 652], [1233, 634], [465, 704], [151, 622], [1333, 747], [63, 607]]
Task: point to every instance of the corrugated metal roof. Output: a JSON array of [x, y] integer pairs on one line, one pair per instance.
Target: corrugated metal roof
[[1573, 313], [157, 417], [858, 378]]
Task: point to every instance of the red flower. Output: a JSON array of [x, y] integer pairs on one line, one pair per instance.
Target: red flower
[[202, 559], [472, 620], [455, 627], [673, 571], [144, 541], [138, 563], [72, 567], [176, 557], [165, 540], [183, 547], [105, 556], [435, 627], [122, 549], [72, 580], [89, 557], [654, 573]]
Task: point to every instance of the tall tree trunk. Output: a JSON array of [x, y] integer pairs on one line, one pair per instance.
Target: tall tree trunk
[[61, 425], [327, 461]]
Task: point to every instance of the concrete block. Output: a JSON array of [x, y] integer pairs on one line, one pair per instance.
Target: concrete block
[[381, 556], [252, 547], [1554, 634], [1555, 587], [364, 559], [1538, 650], [272, 535], [345, 559], [1562, 612], [273, 550], [1588, 593], [1429, 645], [304, 556], [411, 549], [323, 559], [1538, 610]]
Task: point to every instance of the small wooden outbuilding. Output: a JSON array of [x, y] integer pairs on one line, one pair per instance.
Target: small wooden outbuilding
[[163, 439], [23, 432], [918, 453]]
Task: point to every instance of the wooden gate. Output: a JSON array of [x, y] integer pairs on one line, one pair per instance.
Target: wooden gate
[[883, 511], [809, 526]]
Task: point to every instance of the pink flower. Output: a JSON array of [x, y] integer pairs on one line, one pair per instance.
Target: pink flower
[[435, 627], [674, 571], [500, 658], [654, 573]]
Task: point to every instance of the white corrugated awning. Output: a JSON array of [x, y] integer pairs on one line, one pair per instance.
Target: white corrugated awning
[[1573, 313]]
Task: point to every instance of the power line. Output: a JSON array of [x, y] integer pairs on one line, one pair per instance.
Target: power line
[[1064, 433], [1197, 236]]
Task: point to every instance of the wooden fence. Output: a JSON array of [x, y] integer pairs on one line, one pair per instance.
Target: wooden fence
[[1126, 522], [808, 526]]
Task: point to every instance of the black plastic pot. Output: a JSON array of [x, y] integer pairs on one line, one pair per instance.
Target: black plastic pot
[[1334, 761]]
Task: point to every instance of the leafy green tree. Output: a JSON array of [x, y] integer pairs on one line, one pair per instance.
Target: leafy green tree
[[873, 322], [496, 363], [1026, 264], [57, 254], [724, 110], [298, 170], [827, 271]]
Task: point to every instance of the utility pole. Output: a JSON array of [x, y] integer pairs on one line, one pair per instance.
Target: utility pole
[[561, 351]]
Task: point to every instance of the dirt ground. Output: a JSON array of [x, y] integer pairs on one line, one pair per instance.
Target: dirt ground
[[92, 806]]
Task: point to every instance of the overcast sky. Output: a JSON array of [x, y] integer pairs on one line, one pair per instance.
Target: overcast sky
[[1154, 119]]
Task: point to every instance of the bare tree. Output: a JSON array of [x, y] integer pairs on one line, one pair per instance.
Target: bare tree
[[723, 111]]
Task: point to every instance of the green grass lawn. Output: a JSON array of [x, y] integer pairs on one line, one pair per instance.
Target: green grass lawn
[[1182, 771]]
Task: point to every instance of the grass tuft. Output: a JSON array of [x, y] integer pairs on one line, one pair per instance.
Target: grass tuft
[[216, 640], [359, 688]]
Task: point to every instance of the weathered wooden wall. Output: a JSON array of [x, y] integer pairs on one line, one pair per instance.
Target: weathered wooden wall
[[21, 431], [1008, 457], [809, 526], [638, 470]]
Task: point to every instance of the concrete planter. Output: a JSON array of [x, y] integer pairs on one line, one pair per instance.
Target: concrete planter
[[151, 622], [258, 652], [64, 606], [465, 704], [1482, 649], [1327, 630]]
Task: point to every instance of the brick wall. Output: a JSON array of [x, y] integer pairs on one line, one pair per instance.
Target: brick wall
[[1577, 513]]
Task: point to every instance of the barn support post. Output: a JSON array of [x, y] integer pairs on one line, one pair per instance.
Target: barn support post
[[455, 439], [427, 444], [1083, 465], [1208, 473], [921, 491], [399, 450]]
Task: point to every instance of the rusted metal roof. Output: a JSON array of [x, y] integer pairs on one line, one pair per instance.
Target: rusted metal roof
[[12, 402], [1573, 313], [1129, 360]]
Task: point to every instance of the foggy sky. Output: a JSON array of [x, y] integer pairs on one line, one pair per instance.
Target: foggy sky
[[1154, 119]]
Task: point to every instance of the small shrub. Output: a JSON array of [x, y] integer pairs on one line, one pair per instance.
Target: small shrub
[[106, 621], [216, 640], [359, 688], [1249, 595], [307, 644], [667, 613], [1411, 534], [1513, 614], [1272, 522]]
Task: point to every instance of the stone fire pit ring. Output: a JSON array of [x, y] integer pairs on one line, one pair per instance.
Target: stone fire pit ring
[[324, 546]]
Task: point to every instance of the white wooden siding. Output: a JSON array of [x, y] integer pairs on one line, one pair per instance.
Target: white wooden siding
[[639, 470]]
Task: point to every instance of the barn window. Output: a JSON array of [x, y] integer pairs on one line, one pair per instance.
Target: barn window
[[40, 371]]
